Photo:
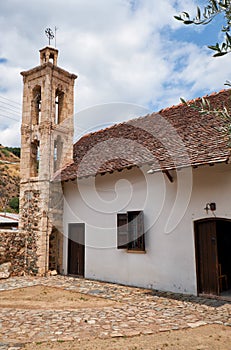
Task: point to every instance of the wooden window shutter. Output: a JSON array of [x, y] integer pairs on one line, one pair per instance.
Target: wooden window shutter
[[122, 231], [136, 230], [140, 229]]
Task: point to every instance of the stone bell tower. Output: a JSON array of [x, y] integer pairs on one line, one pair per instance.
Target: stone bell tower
[[46, 146]]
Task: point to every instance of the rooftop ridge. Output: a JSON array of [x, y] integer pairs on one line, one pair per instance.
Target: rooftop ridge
[[152, 113]]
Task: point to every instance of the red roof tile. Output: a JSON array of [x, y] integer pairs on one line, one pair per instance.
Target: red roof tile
[[177, 136]]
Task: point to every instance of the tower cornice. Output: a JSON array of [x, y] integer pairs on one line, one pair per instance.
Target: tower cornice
[[52, 67]]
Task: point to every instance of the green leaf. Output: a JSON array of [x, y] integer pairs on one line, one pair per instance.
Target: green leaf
[[204, 104], [183, 101], [214, 5], [188, 22], [198, 13], [178, 18], [220, 54], [186, 14], [212, 47], [228, 83], [228, 38]]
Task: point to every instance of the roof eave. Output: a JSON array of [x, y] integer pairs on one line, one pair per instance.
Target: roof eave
[[225, 159]]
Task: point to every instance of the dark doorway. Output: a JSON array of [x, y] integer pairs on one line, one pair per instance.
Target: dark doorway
[[224, 255], [76, 249], [213, 258], [55, 250]]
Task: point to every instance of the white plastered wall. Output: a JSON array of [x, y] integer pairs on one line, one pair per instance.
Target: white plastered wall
[[170, 210]]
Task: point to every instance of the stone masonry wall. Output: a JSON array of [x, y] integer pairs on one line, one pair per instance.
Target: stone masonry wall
[[19, 249], [12, 249]]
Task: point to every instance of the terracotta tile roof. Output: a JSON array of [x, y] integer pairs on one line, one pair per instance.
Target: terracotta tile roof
[[174, 137]]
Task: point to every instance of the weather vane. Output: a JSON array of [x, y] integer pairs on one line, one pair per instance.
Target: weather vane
[[49, 34]]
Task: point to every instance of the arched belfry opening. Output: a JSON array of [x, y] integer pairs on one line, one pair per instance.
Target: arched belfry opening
[[46, 146]]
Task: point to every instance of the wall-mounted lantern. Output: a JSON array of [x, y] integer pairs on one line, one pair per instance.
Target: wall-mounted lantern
[[210, 206]]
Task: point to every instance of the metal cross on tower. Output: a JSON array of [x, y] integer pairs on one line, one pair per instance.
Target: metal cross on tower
[[49, 34]]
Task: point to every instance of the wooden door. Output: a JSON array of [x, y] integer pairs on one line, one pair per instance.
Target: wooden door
[[207, 257], [76, 249]]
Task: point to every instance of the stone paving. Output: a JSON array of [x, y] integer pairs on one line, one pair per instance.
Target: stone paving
[[137, 311]]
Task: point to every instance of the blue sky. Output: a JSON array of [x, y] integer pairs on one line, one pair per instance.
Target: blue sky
[[131, 57]]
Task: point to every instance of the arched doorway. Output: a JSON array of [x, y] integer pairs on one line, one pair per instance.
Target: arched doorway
[[213, 258]]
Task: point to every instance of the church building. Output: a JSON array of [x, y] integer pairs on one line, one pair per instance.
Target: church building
[[143, 203]]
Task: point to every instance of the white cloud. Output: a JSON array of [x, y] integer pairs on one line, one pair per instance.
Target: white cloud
[[122, 53], [10, 135]]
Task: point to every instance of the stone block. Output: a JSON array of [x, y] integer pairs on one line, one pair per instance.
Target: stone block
[[5, 270]]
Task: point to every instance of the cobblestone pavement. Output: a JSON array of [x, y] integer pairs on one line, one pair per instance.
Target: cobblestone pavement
[[138, 311]]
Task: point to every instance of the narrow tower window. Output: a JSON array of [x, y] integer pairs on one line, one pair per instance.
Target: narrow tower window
[[35, 158], [59, 99], [36, 105], [58, 147], [56, 109], [55, 152]]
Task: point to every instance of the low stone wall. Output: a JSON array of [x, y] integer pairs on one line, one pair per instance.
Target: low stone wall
[[12, 249], [20, 248]]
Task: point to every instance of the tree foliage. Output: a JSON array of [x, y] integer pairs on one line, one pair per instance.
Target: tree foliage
[[15, 150], [203, 17], [206, 15], [204, 108]]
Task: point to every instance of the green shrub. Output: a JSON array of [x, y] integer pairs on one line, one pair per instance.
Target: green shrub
[[14, 203], [5, 152]]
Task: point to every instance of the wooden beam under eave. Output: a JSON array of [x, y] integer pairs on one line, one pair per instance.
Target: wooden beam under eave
[[169, 176]]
